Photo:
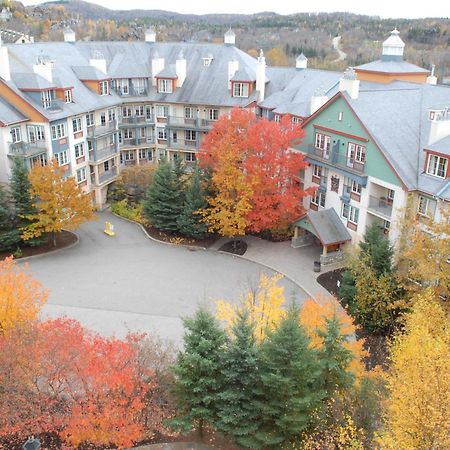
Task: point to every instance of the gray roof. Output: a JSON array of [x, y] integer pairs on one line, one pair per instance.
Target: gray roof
[[243, 75], [168, 72], [31, 81], [11, 36], [441, 146], [85, 73], [391, 67], [328, 226], [8, 114]]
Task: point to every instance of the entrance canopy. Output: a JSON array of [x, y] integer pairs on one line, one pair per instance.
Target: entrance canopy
[[326, 226]]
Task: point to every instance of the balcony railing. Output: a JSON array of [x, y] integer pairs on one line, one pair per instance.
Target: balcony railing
[[102, 152], [130, 142], [381, 206], [107, 176], [100, 130], [183, 122], [335, 158], [136, 120], [131, 92], [27, 149], [183, 144]]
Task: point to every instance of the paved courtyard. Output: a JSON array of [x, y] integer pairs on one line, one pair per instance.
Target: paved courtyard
[[130, 283]]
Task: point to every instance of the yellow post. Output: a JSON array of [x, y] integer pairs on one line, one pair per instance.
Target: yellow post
[[109, 229]]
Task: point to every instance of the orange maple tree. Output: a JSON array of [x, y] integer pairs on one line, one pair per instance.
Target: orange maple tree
[[253, 158]]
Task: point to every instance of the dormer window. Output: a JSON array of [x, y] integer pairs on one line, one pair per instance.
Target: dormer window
[[104, 87], [46, 97], [241, 89], [207, 61], [437, 166], [437, 114], [68, 96], [165, 85]]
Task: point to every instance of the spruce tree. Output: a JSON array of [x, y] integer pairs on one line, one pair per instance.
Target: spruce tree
[[190, 223], [197, 373], [164, 200], [9, 234], [290, 394], [20, 189], [238, 415]]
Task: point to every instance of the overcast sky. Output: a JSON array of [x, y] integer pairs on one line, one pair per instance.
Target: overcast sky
[[383, 8]]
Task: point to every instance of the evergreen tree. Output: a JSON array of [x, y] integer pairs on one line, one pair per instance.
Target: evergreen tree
[[20, 189], [198, 372], [347, 290], [9, 233], [378, 249], [238, 415], [335, 357], [291, 393], [164, 200], [190, 223]]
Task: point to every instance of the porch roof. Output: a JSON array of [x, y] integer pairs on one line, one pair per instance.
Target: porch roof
[[325, 225]]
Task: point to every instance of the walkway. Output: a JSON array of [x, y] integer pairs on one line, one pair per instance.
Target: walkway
[[128, 282]]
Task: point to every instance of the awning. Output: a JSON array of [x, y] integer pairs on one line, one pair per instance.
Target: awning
[[325, 225]]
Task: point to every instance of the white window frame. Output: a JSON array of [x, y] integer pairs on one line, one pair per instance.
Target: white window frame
[[317, 171], [111, 115], [162, 134], [277, 118], [139, 110], [104, 87], [16, 134], [90, 119], [162, 111], [189, 112], [81, 175], [323, 142], [68, 96], [319, 198], [425, 206], [35, 133], [76, 124], [356, 153], [128, 155], [58, 131], [213, 114], [128, 133], [190, 135], [296, 120], [241, 89], [351, 213], [356, 188], [79, 150], [190, 157], [62, 158], [165, 85], [439, 166], [46, 97]]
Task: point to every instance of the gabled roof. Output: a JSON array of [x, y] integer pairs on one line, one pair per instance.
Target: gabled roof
[[391, 67], [167, 72], [8, 114], [243, 75], [442, 146], [89, 73], [31, 81]]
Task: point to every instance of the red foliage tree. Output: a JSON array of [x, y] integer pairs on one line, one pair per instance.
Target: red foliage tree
[[263, 151], [58, 377]]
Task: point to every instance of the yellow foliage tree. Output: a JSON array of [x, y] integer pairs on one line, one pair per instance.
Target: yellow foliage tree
[[264, 305], [416, 411], [60, 203], [21, 296], [277, 57]]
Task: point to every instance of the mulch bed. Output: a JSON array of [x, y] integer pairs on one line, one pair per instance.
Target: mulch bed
[[176, 238], [237, 247], [375, 345], [63, 239]]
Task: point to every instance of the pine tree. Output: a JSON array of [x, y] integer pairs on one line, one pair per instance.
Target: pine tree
[[238, 414], [20, 189], [291, 390], [378, 248], [164, 200], [9, 233], [198, 372], [190, 223]]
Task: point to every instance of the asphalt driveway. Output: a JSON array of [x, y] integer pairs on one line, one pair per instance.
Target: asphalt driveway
[[130, 283]]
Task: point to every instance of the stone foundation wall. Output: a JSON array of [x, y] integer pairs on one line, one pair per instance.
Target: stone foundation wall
[[332, 258]]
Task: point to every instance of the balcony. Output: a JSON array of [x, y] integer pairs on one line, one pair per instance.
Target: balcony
[[27, 149], [104, 177], [380, 206], [136, 120], [333, 158], [101, 130], [137, 141], [193, 124], [132, 92], [101, 153], [183, 144]]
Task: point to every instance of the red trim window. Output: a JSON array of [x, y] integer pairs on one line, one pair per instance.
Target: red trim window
[[437, 166], [165, 85], [241, 89]]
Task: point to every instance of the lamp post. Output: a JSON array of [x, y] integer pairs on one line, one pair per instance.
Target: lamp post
[[32, 444]]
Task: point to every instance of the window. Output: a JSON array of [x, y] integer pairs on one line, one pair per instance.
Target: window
[[106, 166], [145, 153], [90, 146], [207, 61], [317, 171], [277, 118], [190, 157], [68, 96], [126, 111], [174, 136], [76, 124], [16, 134], [104, 88], [127, 134], [90, 119], [81, 175], [128, 155], [165, 86], [296, 120], [58, 131], [62, 158], [391, 195], [318, 198], [162, 111], [111, 115], [356, 153], [162, 134], [102, 119], [350, 213], [139, 85], [426, 206], [437, 166], [79, 150], [340, 116], [213, 114], [35, 133], [148, 112], [46, 97], [323, 142], [240, 89], [356, 187], [139, 111], [39, 160], [188, 112], [190, 135]]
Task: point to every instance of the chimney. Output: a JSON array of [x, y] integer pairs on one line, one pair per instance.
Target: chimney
[[229, 38], [150, 35], [157, 66], [439, 126], [5, 71], [233, 67], [180, 69], [301, 62], [432, 79], [348, 83], [98, 61], [261, 76], [69, 35], [43, 67], [318, 99]]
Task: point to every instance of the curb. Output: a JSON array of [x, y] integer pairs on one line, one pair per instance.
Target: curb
[[27, 258]]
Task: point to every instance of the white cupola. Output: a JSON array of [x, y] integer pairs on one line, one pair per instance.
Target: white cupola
[[301, 62], [69, 35], [229, 37], [393, 47], [150, 35]]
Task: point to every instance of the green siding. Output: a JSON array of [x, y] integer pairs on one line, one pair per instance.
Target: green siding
[[376, 165]]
